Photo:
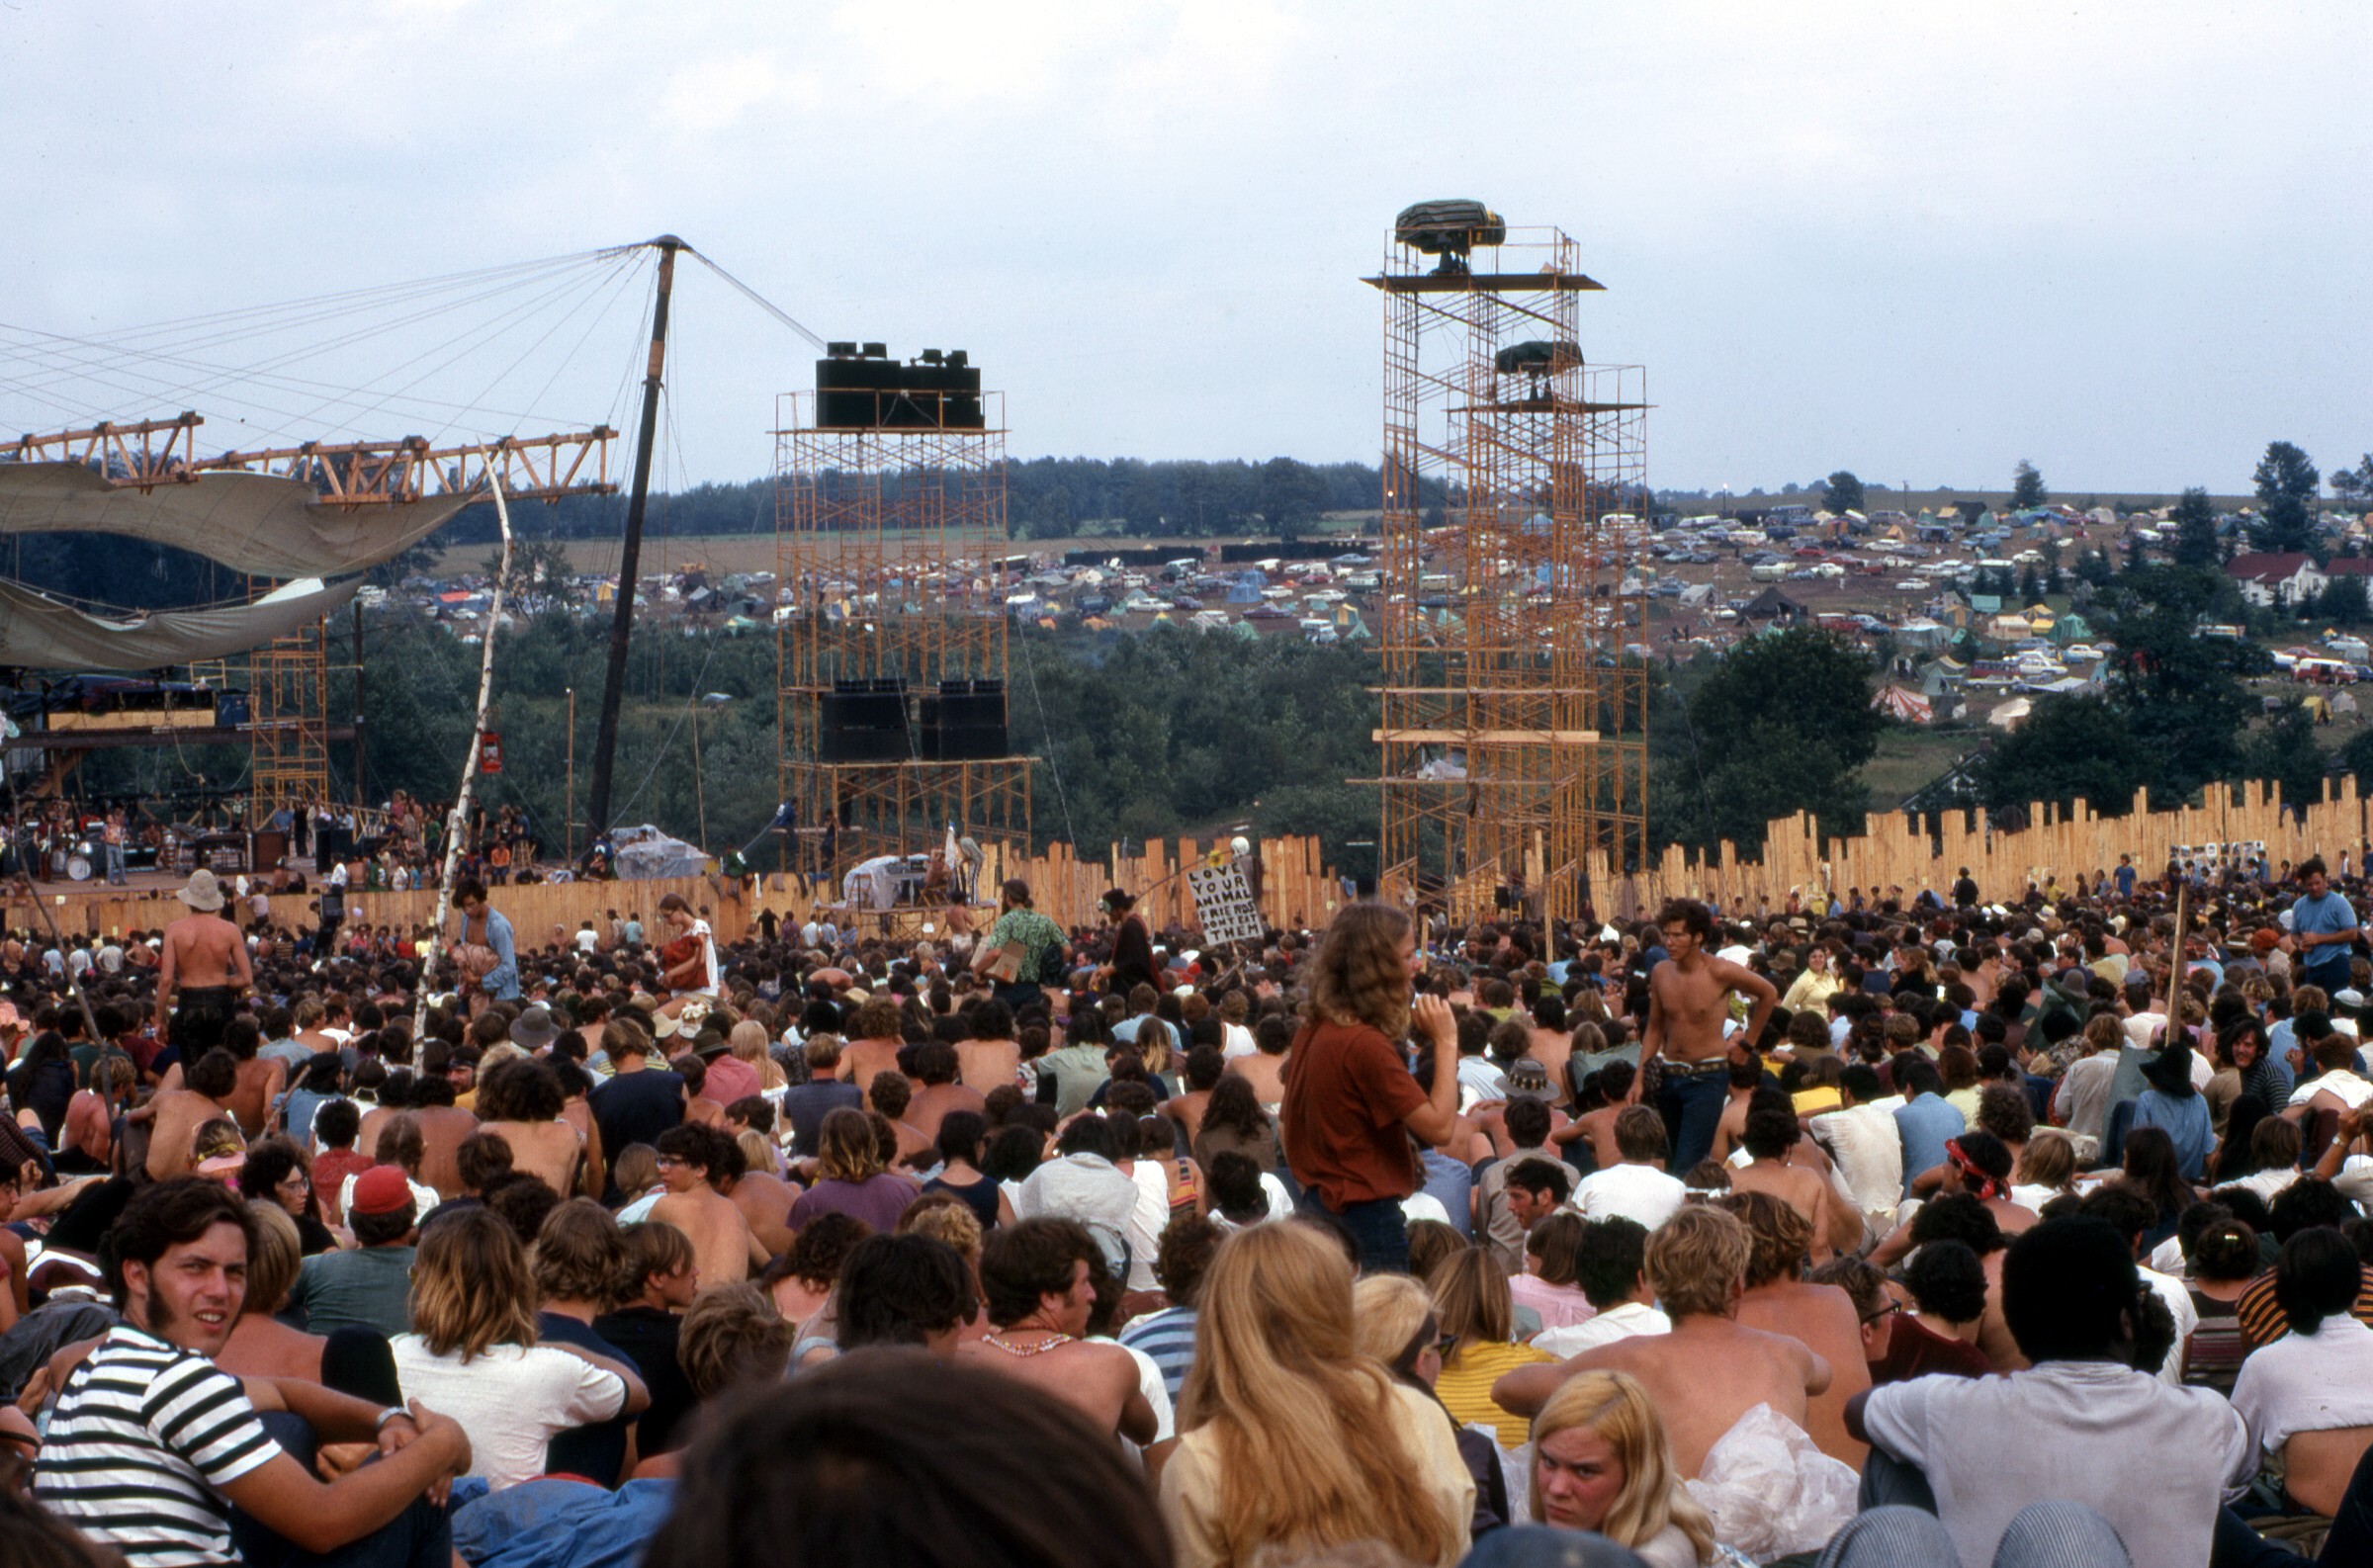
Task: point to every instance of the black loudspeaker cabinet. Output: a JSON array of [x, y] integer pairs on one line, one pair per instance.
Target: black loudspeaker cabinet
[[863, 720]]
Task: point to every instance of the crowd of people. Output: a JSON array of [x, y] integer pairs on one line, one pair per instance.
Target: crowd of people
[[1928, 1232]]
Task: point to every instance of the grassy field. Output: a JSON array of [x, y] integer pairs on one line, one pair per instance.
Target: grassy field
[[1909, 758]]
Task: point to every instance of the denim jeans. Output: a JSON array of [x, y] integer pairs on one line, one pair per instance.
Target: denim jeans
[[1377, 1227], [115, 864], [1691, 1107], [422, 1537]]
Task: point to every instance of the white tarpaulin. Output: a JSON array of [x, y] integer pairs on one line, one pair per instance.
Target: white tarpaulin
[[872, 884], [39, 633], [263, 525], [644, 852]]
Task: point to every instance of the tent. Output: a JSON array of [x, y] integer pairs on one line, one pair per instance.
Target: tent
[[644, 852], [1772, 605], [1908, 707]]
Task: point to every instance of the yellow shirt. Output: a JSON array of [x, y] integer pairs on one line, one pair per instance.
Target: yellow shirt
[[1464, 1387], [1190, 1483]]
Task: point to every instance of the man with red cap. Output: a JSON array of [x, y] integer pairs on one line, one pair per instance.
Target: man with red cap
[[370, 1286]]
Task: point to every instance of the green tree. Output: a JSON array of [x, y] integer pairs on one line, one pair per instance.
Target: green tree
[[2343, 600], [2027, 487], [1782, 725], [2286, 482], [2180, 693], [2285, 751], [2195, 523], [2093, 566], [2355, 485], [1843, 492], [2068, 748], [1292, 494]]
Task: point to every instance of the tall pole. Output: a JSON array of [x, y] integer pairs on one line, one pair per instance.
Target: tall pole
[[569, 789], [622, 621], [459, 817], [362, 789]]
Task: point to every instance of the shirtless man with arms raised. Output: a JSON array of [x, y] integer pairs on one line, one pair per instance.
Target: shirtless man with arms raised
[[202, 966], [1036, 1276], [1689, 997], [176, 1114], [721, 1244], [1709, 1372]]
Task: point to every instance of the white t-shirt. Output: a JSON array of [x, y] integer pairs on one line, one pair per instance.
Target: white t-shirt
[[2179, 1306], [1615, 1323], [1238, 1041], [2308, 1383], [2343, 1086], [1634, 1191], [2154, 1461], [511, 1399]]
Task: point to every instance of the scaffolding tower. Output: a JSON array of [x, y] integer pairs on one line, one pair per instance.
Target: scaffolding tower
[[1514, 723], [888, 547]]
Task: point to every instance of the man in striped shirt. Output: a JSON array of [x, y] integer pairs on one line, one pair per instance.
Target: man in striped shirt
[[1187, 1249], [150, 1447]]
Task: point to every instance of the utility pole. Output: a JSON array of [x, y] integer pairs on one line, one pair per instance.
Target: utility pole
[[622, 623], [569, 789]]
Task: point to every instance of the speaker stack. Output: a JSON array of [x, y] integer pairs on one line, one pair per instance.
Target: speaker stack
[[863, 720], [964, 722]]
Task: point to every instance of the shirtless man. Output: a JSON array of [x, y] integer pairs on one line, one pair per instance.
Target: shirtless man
[[443, 1126], [721, 1244], [1710, 1370], [1822, 1317], [261, 1077], [891, 1094], [992, 1059], [1745, 1076], [763, 1199], [202, 966], [521, 1101], [1596, 1128], [872, 1048], [176, 1114], [935, 1066], [1036, 1276], [1688, 1003], [1771, 1144]]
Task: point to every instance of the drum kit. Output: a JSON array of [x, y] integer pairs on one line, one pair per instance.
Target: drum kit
[[75, 849]]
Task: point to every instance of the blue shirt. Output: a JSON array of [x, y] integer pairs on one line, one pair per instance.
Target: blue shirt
[[2327, 965], [1926, 1123], [2185, 1121], [2125, 875], [1452, 1183], [502, 981]]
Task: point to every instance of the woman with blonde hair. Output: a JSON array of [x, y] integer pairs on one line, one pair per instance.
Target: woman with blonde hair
[[1393, 1319], [1478, 1336], [1601, 1462], [475, 1356], [1292, 1439], [2046, 1169]]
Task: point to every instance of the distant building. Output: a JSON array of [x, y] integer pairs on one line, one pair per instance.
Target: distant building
[[2276, 578]]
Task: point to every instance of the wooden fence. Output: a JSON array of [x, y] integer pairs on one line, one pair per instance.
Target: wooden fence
[[1296, 888], [1299, 889], [1896, 852]]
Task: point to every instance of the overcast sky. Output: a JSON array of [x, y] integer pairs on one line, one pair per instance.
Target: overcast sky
[[2131, 243]]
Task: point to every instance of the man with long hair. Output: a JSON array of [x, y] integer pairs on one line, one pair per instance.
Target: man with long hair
[[1038, 1278], [1351, 1103]]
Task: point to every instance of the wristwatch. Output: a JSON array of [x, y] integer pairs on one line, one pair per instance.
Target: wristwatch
[[392, 1413]]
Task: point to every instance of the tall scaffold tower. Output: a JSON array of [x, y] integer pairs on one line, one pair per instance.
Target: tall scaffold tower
[[1514, 730], [890, 535]]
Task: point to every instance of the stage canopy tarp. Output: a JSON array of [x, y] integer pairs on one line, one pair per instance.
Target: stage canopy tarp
[[39, 633], [262, 525]]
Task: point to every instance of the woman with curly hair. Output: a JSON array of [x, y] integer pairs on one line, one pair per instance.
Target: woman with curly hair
[[1292, 1441], [1351, 1103]]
